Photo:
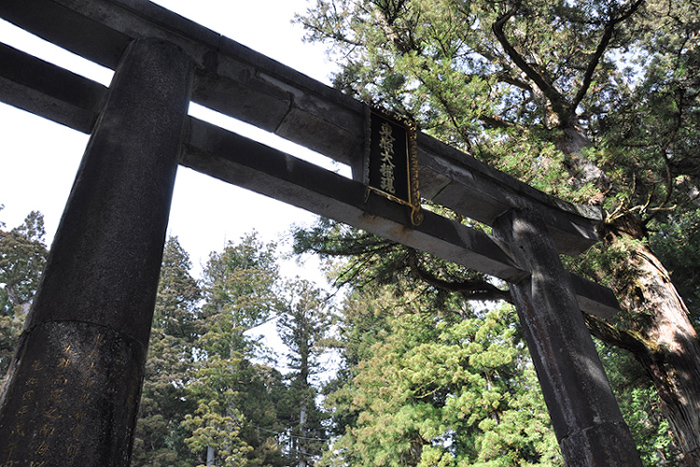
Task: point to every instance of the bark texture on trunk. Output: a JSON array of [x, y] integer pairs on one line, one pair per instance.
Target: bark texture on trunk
[[660, 336]]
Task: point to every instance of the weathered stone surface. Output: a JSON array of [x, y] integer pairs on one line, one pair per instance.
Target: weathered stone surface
[[103, 253], [606, 444], [74, 385], [47, 90], [585, 415]]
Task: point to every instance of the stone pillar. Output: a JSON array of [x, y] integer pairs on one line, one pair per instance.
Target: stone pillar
[[585, 415], [75, 381]]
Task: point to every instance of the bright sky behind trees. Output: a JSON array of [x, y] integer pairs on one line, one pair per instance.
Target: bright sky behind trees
[[38, 158]]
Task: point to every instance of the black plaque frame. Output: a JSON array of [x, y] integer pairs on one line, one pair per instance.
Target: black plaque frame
[[383, 131]]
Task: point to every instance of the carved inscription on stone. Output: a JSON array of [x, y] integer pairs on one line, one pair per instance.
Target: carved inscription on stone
[[65, 391]]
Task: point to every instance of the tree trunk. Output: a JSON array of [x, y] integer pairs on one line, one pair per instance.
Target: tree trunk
[[302, 430], [302, 449], [210, 455], [660, 336], [573, 142]]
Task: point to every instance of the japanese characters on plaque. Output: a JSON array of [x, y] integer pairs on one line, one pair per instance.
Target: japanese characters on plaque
[[391, 165]]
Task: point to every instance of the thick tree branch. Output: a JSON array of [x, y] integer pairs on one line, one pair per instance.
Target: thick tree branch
[[505, 77], [558, 102], [386, 14], [613, 336], [600, 51], [593, 63], [667, 163], [560, 106], [496, 121], [470, 289]]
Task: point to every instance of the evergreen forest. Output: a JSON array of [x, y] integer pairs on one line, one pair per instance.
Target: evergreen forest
[[390, 371], [409, 360]]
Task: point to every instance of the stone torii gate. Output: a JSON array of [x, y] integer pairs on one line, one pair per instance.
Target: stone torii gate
[[75, 381]]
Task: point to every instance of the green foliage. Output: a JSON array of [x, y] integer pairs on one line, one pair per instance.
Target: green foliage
[[210, 394], [594, 102], [430, 388], [370, 260], [203, 392], [304, 326], [609, 265], [236, 397], [239, 285], [159, 438], [639, 403], [211, 429], [177, 306], [22, 258], [651, 432]]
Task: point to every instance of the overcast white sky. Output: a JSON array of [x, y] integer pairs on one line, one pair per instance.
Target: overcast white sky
[[38, 158]]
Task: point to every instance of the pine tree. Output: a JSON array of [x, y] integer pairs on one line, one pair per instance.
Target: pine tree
[[159, 438], [304, 325], [427, 386], [235, 423]]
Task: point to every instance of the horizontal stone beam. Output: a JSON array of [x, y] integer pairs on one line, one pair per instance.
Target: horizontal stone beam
[[49, 91], [246, 85], [478, 191], [252, 165], [594, 298]]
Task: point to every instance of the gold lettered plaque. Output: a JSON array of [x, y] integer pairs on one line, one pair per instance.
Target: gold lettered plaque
[[391, 160]]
